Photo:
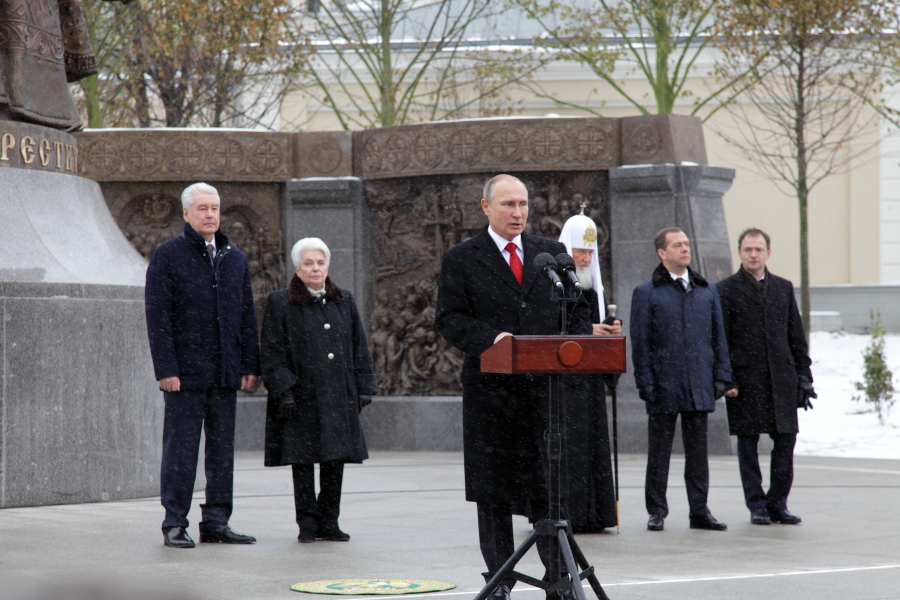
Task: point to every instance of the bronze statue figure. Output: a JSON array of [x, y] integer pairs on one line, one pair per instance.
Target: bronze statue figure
[[44, 46]]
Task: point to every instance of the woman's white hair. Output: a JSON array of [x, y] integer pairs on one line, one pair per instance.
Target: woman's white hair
[[187, 196], [307, 244]]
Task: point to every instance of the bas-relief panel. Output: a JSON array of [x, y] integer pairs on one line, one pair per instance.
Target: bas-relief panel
[[199, 155], [484, 146], [150, 214], [415, 220]]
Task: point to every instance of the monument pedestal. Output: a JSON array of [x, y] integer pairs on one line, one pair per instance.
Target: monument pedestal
[[81, 413], [643, 200], [334, 210]]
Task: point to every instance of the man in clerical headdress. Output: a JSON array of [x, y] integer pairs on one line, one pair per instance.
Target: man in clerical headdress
[[590, 499]]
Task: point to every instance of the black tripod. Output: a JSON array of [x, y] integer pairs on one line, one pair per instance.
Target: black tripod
[[562, 546]]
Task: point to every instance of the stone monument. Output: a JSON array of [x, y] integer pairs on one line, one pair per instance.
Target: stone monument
[[81, 417], [389, 202]]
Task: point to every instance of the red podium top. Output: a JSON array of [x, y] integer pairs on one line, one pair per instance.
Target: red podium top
[[555, 355]]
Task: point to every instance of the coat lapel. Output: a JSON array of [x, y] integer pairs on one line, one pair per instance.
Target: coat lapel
[[747, 288], [529, 274], [490, 256]]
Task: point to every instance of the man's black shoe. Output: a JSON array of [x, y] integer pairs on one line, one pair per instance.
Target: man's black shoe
[[177, 537], [760, 516], [707, 521], [223, 534], [501, 592], [332, 534], [784, 517], [307, 536], [656, 523]]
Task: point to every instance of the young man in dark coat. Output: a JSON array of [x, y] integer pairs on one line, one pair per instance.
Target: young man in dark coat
[[489, 289], [681, 367], [203, 341], [770, 360]]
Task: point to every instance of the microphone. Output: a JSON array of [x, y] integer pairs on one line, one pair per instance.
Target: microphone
[[546, 265], [567, 264], [610, 314]]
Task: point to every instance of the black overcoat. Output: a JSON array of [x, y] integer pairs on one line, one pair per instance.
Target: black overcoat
[[315, 350], [200, 317], [678, 343], [504, 416], [590, 497], [768, 351]]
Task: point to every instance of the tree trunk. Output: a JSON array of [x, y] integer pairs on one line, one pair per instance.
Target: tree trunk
[[802, 199], [802, 185], [388, 110], [92, 101]]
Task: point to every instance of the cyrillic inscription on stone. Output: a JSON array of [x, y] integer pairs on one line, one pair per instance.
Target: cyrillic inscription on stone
[[27, 146]]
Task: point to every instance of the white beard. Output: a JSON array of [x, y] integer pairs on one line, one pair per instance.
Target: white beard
[[584, 276]]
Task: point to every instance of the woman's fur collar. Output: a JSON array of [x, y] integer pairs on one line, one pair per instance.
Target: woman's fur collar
[[299, 294]]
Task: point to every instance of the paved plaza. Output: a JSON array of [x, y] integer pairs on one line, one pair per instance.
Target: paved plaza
[[408, 518]]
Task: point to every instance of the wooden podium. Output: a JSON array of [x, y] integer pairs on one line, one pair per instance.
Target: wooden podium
[[554, 355]]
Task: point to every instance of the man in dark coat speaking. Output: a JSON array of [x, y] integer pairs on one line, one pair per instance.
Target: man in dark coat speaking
[[770, 359], [202, 329], [681, 368], [489, 289]]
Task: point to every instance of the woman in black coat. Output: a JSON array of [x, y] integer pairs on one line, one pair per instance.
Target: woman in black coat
[[318, 371]]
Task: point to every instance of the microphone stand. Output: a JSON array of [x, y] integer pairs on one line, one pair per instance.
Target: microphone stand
[[612, 382], [562, 546]]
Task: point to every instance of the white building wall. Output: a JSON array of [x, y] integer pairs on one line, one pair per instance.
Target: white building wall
[[889, 230]]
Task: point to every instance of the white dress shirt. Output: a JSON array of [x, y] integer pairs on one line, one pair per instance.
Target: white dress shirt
[[684, 278], [502, 242]]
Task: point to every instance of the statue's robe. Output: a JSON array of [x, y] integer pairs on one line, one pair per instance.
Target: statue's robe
[[44, 46]]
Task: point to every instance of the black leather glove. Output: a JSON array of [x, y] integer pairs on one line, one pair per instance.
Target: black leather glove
[[287, 407], [720, 387], [805, 391], [647, 393], [364, 401]]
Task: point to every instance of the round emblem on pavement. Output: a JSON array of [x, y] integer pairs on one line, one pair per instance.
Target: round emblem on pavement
[[359, 587]]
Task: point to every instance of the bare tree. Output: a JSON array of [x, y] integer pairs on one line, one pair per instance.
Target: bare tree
[[817, 69], [388, 62], [660, 39], [192, 62]]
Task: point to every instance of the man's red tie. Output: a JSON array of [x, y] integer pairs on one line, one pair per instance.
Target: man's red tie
[[514, 262]]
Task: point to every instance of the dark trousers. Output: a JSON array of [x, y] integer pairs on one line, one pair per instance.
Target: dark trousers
[[495, 535], [187, 413], [781, 473], [661, 430], [322, 512]]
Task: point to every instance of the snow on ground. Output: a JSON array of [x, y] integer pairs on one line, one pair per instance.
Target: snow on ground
[[838, 426]]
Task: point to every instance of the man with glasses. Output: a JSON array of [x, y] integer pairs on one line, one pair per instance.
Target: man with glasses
[[770, 364]]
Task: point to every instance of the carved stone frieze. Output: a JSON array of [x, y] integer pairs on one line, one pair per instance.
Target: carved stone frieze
[[323, 154], [415, 220], [178, 154], [487, 145], [661, 139]]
